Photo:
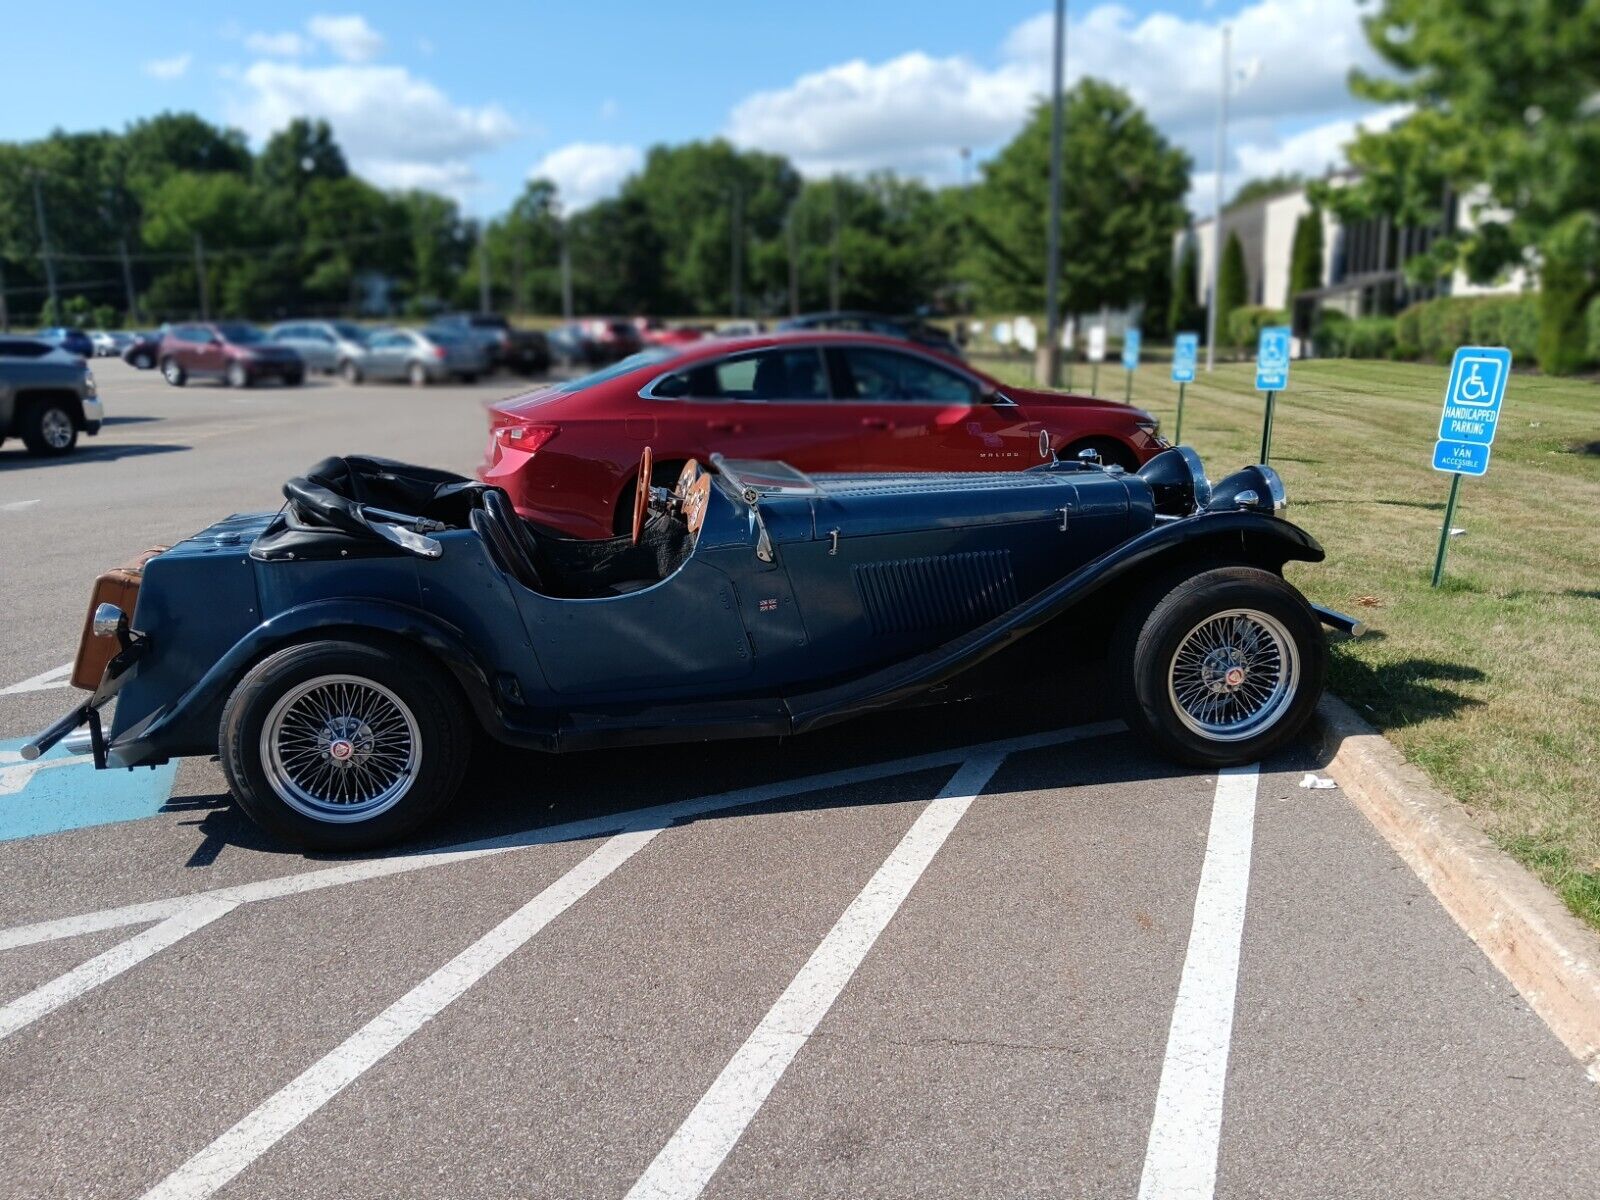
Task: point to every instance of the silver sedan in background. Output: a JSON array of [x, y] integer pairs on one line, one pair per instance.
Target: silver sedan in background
[[424, 357], [334, 347]]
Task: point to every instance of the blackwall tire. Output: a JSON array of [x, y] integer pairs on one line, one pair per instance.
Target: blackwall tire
[[388, 760], [349, 372], [1220, 668], [238, 375], [172, 371], [48, 428], [418, 375]]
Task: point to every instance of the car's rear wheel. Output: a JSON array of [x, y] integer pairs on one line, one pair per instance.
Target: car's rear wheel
[[1112, 452], [350, 372], [141, 362], [238, 375], [172, 371], [337, 745], [1220, 668], [418, 375], [48, 428]]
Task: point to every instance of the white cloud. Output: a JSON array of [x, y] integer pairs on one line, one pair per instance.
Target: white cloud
[[288, 44], [168, 68], [396, 129], [349, 36], [915, 112], [587, 171], [1312, 151]]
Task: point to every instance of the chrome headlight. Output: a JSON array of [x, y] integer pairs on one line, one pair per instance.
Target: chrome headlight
[[1178, 482], [90, 387], [1257, 489], [109, 620]]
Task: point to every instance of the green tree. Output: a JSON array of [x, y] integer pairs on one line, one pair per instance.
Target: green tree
[[1502, 97], [1233, 285], [1264, 187], [1184, 313], [1122, 196], [1305, 256]]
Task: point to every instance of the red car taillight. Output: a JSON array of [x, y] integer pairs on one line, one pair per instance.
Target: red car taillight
[[526, 438], [438, 352]]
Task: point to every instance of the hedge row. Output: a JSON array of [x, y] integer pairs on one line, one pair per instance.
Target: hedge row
[[1431, 330]]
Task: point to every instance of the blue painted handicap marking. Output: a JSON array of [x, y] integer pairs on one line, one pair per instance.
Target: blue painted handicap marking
[[63, 791], [1464, 458]]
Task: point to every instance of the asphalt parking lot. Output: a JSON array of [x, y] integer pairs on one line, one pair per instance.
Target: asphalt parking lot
[[956, 952]]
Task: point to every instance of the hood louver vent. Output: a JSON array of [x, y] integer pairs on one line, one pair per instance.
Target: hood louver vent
[[954, 591]]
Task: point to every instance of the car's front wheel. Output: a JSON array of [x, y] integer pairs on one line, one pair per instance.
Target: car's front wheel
[[337, 745], [172, 371], [238, 375], [418, 375], [48, 428], [350, 372], [1220, 668]]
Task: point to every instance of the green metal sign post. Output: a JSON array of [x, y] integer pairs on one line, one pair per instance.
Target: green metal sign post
[[1177, 434], [1185, 350], [1266, 429], [1444, 534]]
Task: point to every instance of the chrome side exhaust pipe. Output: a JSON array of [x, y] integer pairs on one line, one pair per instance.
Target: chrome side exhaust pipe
[[1340, 621]]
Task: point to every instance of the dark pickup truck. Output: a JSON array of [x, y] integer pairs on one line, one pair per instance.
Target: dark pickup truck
[[525, 351], [47, 396]]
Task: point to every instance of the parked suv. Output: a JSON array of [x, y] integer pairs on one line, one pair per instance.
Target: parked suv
[[337, 347], [525, 351], [235, 351], [47, 396]]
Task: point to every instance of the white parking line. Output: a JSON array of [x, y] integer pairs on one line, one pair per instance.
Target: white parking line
[[17, 505], [1181, 1158], [50, 996], [374, 868], [322, 1081], [692, 1155], [55, 677]]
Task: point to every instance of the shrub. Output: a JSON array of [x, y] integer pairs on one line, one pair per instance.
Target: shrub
[[1331, 334], [1519, 328], [1562, 341], [1487, 320], [1370, 337], [1408, 332], [1444, 324], [1592, 321], [1246, 323]]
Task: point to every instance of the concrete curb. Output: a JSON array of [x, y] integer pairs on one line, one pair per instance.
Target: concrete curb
[[1551, 957]]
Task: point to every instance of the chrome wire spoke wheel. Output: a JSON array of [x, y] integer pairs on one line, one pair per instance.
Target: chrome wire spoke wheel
[[56, 429], [340, 748], [1234, 675]]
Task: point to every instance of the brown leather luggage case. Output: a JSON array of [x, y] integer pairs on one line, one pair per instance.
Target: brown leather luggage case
[[119, 586]]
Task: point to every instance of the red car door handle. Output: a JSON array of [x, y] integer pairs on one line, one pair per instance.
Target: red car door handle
[[725, 426], [876, 423]]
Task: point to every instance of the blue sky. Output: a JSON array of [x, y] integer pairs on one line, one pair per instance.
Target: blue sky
[[471, 97]]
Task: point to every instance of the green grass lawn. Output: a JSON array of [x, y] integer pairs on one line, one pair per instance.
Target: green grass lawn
[[1491, 683]]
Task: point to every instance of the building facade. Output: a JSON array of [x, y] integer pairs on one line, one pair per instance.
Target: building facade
[[1363, 262]]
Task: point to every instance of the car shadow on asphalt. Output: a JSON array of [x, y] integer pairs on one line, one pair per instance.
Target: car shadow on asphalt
[[84, 455], [510, 792]]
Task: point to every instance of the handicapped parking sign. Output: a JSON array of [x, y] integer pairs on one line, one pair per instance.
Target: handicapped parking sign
[[1130, 349], [1272, 359], [1467, 425], [1185, 350], [1471, 414]]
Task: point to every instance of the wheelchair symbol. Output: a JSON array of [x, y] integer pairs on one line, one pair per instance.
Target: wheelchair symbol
[[1471, 387]]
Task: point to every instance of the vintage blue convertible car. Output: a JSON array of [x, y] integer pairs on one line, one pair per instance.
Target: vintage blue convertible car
[[338, 653]]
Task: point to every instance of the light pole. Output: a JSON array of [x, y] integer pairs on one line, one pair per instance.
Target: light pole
[[1216, 219], [44, 249], [1052, 277]]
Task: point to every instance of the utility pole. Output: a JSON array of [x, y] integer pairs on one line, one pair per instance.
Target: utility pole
[[127, 281], [200, 277], [44, 248], [794, 264], [1052, 278], [1216, 220], [483, 272], [966, 166], [735, 283], [833, 263], [566, 273]]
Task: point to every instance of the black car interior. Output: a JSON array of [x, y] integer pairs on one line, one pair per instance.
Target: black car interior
[[333, 509]]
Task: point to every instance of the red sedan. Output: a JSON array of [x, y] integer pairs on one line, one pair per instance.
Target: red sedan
[[568, 454]]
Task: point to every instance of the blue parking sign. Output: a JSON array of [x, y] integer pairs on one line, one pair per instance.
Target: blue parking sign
[[1130, 349], [1272, 359], [1471, 414], [1185, 350]]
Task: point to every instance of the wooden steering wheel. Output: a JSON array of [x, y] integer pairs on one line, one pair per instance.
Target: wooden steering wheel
[[641, 493], [692, 494]]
